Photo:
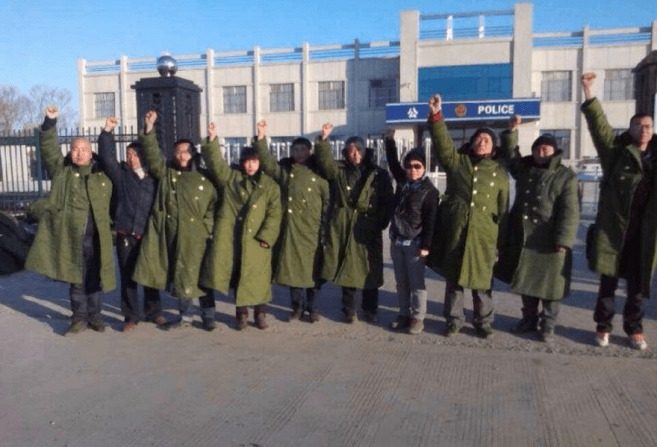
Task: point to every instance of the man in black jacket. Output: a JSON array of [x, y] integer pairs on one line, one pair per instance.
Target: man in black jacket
[[134, 192]]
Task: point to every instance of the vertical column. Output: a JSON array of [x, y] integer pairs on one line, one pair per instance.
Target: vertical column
[[82, 72], [522, 50], [352, 92], [581, 129], [123, 91], [209, 88], [256, 87], [305, 90], [408, 55]]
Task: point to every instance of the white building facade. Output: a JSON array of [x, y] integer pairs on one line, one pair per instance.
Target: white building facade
[[488, 61]]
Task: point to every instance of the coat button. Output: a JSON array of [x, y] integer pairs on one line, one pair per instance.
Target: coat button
[[196, 198], [483, 208], [622, 177], [474, 192], [289, 199], [471, 204], [476, 168], [348, 188], [535, 221], [492, 183], [310, 189], [191, 219], [524, 216], [494, 174], [77, 174], [255, 206], [179, 173], [291, 175], [475, 179], [289, 210], [200, 187], [249, 230], [313, 179], [527, 191]]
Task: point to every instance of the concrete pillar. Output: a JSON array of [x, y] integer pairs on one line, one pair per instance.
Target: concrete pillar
[[305, 89], [123, 91], [82, 72], [209, 88], [522, 50], [409, 35], [256, 88]]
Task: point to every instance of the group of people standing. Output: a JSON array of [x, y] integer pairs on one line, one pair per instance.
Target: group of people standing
[[193, 225]]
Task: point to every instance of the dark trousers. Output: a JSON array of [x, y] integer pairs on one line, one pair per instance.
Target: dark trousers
[[297, 298], [482, 305], [244, 310], [369, 304], [85, 297], [632, 311], [127, 249], [548, 316], [206, 303]]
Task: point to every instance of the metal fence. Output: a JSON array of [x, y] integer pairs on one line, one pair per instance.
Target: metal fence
[[23, 177]]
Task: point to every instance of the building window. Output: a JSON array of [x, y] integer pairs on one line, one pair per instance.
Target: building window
[[331, 95], [382, 91], [281, 98], [104, 105], [235, 99], [563, 140], [556, 86], [466, 82], [619, 85]]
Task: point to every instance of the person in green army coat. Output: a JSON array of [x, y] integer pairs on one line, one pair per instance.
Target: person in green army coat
[[73, 242], [363, 205], [305, 194], [622, 243], [180, 227], [472, 221], [537, 257], [246, 229]]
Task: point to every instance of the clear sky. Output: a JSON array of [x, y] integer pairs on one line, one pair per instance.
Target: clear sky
[[41, 40]]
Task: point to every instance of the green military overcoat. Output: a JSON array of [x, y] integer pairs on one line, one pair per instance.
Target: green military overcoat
[[305, 200], [472, 214], [363, 203], [75, 192], [250, 213], [179, 229], [545, 215], [622, 171]]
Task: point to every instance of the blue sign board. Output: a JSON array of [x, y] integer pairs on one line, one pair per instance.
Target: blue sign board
[[454, 111]]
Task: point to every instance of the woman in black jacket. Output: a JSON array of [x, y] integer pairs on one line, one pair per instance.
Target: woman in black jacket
[[411, 233]]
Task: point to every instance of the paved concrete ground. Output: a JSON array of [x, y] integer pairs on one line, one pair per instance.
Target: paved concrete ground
[[320, 384]]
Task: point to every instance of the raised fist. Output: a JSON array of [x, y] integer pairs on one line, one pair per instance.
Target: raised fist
[[435, 104], [261, 129], [52, 112], [327, 128], [212, 131], [111, 123]]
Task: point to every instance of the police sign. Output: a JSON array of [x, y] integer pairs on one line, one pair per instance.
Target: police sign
[[417, 112]]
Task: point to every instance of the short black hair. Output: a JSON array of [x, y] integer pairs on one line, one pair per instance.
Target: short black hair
[[638, 116], [185, 141]]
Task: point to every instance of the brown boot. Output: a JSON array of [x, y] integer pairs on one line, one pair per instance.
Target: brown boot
[[261, 320], [241, 320]]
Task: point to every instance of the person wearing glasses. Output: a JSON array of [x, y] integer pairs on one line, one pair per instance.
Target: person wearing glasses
[[473, 217], [411, 233], [622, 243]]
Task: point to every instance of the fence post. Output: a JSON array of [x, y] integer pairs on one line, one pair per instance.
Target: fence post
[[37, 151]]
